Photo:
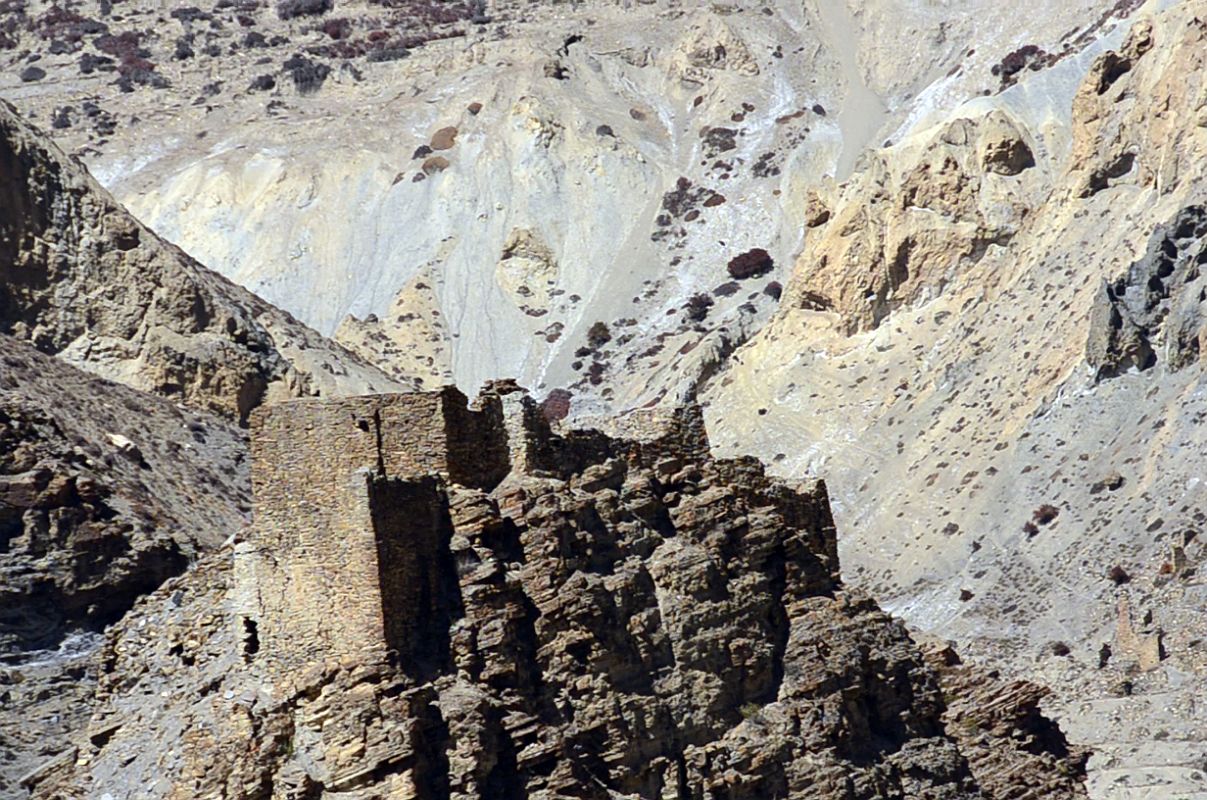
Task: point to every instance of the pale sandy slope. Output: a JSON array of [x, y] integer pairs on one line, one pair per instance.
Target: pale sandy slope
[[311, 201]]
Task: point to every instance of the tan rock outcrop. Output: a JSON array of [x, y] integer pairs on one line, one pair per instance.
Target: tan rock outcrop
[[527, 270], [411, 342], [911, 222]]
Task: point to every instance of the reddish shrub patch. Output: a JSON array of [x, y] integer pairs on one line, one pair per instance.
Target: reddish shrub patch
[[556, 405]]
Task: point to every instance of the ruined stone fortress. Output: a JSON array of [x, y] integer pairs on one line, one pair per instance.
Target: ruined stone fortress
[[351, 524], [439, 599]]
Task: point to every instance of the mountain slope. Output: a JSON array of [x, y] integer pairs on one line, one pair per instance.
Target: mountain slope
[[373, 168], [990, 347], [614, 618], [82, 279], [105, 492]]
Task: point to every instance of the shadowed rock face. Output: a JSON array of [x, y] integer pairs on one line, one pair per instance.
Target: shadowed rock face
[[1157, 306], [81, 278], [616, 618]]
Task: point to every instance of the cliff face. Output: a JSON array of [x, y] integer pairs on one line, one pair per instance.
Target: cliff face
[[616, 618], [82, 279]]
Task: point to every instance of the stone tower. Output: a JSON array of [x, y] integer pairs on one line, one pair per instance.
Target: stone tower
[[350, 523]]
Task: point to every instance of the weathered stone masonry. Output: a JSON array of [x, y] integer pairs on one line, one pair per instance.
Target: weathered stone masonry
[[352, 529], [350, 520], [438, 601]]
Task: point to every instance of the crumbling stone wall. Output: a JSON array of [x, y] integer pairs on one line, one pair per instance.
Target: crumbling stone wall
[[310, 588], [342, 540], [401, 435], [655, 434], [476, 444]]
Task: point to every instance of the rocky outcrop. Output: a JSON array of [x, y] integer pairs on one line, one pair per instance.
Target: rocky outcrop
[[915, 219], [618, 617], [1155, 312], [1013, 750], [527, 271], [81, 278], [1028, 433], [411, 341], [105, 492]]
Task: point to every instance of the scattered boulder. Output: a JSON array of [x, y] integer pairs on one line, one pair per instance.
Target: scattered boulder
[[435, 164], [750, 264], [1111, 482], [444, 139], [289, 9], [598, 335], [817, 213], [556, 405]]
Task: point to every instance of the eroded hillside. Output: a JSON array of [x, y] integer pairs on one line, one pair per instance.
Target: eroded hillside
[[105, 493], [990, 346], [946, 257], [462, 191], [82, 279]]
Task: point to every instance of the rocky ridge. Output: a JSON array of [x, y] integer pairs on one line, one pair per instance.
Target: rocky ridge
[[105, 493], [614, 618]]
